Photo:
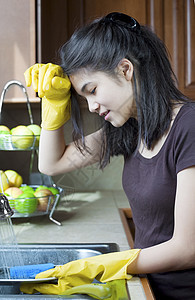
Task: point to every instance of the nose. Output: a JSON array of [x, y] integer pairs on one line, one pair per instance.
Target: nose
[[93, 106]]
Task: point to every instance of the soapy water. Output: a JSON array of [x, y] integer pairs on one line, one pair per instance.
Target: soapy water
[[10, 254]]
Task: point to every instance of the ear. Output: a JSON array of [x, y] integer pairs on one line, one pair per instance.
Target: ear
[[125, 68]]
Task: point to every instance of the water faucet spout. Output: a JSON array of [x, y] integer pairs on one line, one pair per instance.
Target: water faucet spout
[[5, 209], [5, 89]]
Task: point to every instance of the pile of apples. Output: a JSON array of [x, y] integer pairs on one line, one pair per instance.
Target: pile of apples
[[25, 199], [22, 137]]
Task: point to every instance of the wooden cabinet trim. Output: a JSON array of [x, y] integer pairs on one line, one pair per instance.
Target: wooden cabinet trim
[[125, 214], [190, 44]]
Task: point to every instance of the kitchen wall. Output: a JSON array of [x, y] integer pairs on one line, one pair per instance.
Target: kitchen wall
[[92, 178]]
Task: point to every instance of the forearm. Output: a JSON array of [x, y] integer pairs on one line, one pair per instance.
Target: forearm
[[168, 256], [55, 157], [51, 149]]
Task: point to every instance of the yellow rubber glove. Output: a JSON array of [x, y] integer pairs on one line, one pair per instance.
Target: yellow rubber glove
[[113, 290], [104, 268], [53, 86]]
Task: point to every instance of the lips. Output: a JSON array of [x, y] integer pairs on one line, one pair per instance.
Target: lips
[[105, 114]]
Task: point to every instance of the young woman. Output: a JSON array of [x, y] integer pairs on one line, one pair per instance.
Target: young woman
[[122, 70]]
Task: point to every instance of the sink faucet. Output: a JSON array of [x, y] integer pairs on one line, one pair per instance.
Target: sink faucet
[[5, 209], [18, 83]]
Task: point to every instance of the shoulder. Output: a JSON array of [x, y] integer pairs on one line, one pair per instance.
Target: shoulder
[[183, 137], [185, 118]]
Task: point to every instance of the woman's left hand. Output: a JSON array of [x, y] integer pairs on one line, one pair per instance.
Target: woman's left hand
[[104, 268]]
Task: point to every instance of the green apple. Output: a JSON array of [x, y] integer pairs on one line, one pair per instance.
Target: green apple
[[41, 187], [27, 188], [22, 137], [4, 182], [36, 129], [54, 191], [26, 203], [14, 178]]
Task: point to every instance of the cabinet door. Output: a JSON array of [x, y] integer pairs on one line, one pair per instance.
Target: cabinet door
[[188, 80], [174, 22], [57, 20], [17, 35], [96, 8]]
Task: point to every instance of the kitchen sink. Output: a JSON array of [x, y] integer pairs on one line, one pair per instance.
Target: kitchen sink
[[58, 254]]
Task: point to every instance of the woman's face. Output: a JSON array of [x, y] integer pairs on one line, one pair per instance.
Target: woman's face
[[110, 98]]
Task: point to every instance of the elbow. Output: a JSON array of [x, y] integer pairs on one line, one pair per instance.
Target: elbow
[[185, 255], [189, 256], [47, 170]]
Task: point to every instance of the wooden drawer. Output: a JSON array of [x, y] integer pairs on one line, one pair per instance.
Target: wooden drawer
[[127, 221]]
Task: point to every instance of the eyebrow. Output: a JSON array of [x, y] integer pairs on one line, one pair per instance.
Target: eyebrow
[[84, 86]]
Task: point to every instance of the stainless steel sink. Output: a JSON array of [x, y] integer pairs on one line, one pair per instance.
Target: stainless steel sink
[[57, 254]]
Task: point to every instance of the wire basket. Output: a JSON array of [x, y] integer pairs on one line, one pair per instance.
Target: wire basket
[[9, 140], [19, 142], [37, 205]]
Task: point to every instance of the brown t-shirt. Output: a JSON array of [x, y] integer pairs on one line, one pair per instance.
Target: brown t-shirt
[[150, 185]]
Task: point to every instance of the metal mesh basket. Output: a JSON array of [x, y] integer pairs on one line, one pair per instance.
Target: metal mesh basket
[[9, 140], [35, 206]]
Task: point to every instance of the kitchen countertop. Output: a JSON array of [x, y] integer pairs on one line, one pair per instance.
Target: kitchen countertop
[[91, 217]]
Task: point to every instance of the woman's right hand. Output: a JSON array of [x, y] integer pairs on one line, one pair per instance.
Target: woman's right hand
[[55, 157], [53, 86]]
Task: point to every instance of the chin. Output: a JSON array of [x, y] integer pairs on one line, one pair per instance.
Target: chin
[[118, 122]]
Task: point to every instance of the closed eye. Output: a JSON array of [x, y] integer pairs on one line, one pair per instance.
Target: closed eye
[[93, 91]]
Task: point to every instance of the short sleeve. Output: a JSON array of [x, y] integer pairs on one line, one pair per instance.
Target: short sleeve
[[185, 141]]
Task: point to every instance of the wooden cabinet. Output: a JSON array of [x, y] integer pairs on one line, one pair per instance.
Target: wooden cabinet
[[172, 20], [174, 23], [34, 30], [129, 228]]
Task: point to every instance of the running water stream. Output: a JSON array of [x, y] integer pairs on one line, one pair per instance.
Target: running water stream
[[10, 254]]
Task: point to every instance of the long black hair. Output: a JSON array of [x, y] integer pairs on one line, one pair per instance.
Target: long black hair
[[100, 46]]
